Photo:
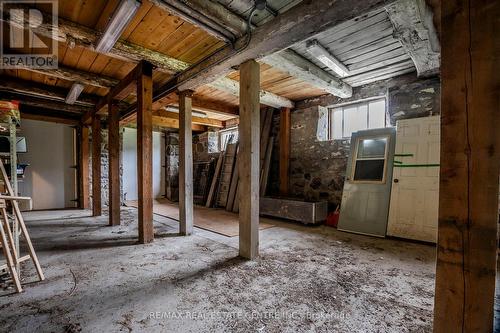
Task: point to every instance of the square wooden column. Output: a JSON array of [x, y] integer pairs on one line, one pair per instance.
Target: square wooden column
[[145, 152], [83, 168], [185, 163], [96, 166], [470, 163], [285, 121], [114, 164], [249, 159]]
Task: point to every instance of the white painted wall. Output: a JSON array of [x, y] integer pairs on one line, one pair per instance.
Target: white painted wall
[[49, 180], [129, 158]]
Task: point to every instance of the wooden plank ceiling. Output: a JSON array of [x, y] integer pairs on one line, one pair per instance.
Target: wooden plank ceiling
[[366, 46], [361, 44]]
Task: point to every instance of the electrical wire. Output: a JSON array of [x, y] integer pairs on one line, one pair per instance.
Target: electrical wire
[[237, 51]]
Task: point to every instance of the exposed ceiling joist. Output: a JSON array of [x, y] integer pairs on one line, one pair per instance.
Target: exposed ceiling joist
[[195, 119], [34, 89], [239, 29], [78, 35], [207, 15], [85, 37], [414, 28], [69, 74], [301, 22], [162, 121], [43, 103], [34, 114], [266, 98], [223, 84], [295, 65]]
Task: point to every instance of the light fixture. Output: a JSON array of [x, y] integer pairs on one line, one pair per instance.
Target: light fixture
[[319, 52], [175, 109], [74, 92], [118, 22]]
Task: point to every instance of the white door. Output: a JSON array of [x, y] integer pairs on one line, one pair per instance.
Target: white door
[[414, 205]]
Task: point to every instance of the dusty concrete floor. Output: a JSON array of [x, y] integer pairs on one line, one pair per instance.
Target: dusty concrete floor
[[306, 279]]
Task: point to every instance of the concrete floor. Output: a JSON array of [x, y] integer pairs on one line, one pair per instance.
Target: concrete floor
[[307, 278]]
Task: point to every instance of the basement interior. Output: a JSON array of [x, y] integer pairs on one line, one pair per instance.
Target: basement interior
[[249, 166]]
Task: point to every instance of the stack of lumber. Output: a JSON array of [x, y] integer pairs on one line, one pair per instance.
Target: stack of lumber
[[224, 189]]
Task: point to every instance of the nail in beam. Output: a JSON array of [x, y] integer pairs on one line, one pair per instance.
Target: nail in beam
[[470, 163], [145, 152], [114, 164], [185, 163], [96, 166], [248, 159]]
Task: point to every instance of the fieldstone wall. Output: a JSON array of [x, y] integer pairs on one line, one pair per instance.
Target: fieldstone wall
[[105, 168], [318, 166], [204, 145], [172, 166]]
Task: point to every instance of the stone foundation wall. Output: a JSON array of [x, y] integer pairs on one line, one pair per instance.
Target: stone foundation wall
[[204, 145], [318, 166], [104, 168], [172, 166]]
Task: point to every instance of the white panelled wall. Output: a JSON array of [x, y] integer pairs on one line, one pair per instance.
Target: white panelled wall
[[129, 158]]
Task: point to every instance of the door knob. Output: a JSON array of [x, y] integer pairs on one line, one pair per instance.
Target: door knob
[[396, 180]]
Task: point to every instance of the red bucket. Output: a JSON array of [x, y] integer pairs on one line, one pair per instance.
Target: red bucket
[[333, 218]]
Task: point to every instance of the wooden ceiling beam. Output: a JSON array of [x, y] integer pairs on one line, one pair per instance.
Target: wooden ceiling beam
[[50, 115], [49, 118], [74, 75], [78, 35], [161, 121], [195, 120], [35, 89], [217, 12], [301, 22], [43, 103], [198, 13], [414, 28], [294, 64]]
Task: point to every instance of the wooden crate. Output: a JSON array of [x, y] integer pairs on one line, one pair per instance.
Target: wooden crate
[[294, 209]]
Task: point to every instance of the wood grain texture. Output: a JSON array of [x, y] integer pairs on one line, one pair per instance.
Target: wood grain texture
[[470, 158], [185, 164], [114, 164], [249, 159], [145, 152], [96, 166], [284, 142]]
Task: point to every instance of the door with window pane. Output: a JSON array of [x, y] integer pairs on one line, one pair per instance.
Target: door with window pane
[[367, 187]]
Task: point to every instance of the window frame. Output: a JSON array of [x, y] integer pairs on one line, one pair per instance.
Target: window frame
[[355, 159], [226, 130], [343, 106]]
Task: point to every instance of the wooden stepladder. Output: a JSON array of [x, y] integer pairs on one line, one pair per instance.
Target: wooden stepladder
[[7, 237]]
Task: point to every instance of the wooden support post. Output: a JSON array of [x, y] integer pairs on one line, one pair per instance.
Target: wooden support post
[[285, 123], [185, 163], [249, 159], [470, 163], [96, 166], [83, 168], [145, 152], [114, 164]]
